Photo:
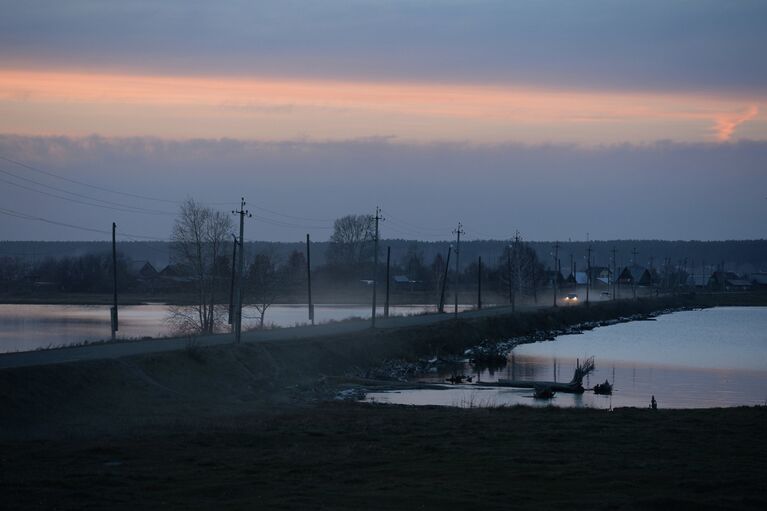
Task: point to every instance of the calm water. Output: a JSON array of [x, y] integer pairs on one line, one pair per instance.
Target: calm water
[[29, 327], [694, 359]]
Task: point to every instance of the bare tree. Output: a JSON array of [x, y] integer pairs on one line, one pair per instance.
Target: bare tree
[[349, 247], [520, 263], [262, 284], [198, 247]]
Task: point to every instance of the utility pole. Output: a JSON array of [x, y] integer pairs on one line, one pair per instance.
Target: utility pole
[[113, 315], [588, 273], [388, 281], [231, 287], [615, 270], [633, 278], [458, 231], [511, 285], [556, 277], [241, 266], [479, 284], [444, 281], [309, 278], [375, 266]]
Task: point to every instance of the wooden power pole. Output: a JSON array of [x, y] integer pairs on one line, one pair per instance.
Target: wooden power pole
[[231, 287], [458, 231], [615, 270], [479, 283], [444, 281], [113, 315], [309, 278], [388, 281], [588, 273], [375, 266], [556, 271], [241, 267], [633, 278]]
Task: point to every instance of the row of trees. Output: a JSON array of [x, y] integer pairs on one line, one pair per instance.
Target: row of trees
[[201, 245], [90, 273], [201, 250], [201, 262]]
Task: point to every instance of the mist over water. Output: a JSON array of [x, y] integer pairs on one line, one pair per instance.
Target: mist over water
[[31, 327]]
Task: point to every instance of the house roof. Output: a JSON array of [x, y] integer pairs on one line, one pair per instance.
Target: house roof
[[137, 266], [637, 271]]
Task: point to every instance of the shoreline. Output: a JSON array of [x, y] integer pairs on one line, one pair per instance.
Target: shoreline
[[233, 426]]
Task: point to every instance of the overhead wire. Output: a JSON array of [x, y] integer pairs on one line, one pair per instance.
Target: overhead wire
[[413, 225], [395, 223], [290, 225], [126, 209], [81, 183], [26, 216]]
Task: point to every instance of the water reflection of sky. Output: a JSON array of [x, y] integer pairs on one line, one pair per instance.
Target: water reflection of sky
[[696, 359], [724, 337], [28, 327]]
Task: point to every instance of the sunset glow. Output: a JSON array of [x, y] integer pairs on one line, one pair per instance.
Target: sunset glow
[[270, 108]]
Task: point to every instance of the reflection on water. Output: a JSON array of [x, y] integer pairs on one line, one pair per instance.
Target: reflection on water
[[29, 327], [696, 359]]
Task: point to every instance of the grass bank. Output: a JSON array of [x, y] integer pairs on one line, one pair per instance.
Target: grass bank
[[352, 456], [232, 427]]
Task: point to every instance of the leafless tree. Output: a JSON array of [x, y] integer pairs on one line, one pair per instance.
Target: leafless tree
[[350, 245], [520, 263], [262, 286], [198, 247]]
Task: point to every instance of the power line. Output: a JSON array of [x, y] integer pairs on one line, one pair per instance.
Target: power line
[[417, 235], [77, 201], [134, 195], [75, 181], [415, 226], [290, 225], [292, 216], [25, 216]]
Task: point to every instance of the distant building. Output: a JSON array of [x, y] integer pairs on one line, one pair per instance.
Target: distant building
[[142, 270], [728, 281], [699, 280], [635, 275], [600, 276]]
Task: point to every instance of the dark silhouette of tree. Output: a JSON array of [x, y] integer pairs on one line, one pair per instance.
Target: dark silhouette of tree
[[292, 275], [262, 285], [199, 240], [350, 245]]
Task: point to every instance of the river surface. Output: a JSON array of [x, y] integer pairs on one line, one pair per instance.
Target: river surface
[[31, 327], [692, 359]]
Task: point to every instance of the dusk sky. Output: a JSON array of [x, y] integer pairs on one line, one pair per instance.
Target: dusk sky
[[556, 118]]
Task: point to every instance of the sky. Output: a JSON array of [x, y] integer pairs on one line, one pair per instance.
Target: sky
[[554, 118]]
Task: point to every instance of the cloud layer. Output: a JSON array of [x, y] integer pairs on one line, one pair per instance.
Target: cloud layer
[[661, 190], [271, 109], [707, 45]]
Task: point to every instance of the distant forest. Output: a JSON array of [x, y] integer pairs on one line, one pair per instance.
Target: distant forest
[[740, 256]]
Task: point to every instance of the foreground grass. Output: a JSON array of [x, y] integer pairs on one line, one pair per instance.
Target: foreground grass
[[355, 456]]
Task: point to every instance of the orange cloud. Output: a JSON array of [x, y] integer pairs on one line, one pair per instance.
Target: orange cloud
[[178, 106], [725, 126]]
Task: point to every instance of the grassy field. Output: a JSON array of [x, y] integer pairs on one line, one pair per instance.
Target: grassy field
[[256, 426], [354, 456]]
